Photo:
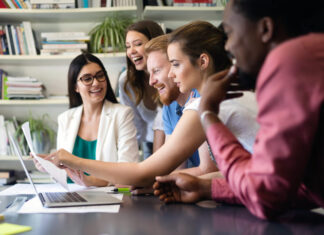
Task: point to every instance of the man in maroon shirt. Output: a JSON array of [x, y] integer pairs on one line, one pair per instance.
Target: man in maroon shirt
[[272, 43]]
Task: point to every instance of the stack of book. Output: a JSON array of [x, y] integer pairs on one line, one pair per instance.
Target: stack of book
[[198, 3], [64, 43], [17, 39], [23, 88], [52, 4]]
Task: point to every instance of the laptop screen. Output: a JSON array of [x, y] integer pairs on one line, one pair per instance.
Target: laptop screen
[[19, 155]]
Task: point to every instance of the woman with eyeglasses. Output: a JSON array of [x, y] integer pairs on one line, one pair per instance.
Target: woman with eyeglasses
[[95, 127]]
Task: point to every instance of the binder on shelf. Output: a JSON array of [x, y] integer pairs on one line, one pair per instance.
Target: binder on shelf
[[18, 4], [2, 4], [14, 2], [21, 41], [10, 3], [23, 32], [29, 37], [8, 39], [3, 136], [15, 40], [3, 42]]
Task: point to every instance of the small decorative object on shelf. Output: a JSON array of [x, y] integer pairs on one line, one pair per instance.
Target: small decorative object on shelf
[[43, 136], [109, 36], [223, 2]]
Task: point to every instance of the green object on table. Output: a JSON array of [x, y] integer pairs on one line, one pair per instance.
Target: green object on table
[[6, 228], [122, 190]]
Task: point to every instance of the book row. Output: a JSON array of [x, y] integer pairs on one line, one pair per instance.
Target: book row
[[195, 2], [17, 39], [61, 4]]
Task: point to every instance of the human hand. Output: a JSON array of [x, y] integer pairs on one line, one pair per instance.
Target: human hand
[[78, 177], [37, 164], [216, 87], [181, 187], [63, 159]]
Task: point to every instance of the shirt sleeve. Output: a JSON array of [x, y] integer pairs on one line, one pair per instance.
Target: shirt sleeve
[[140, 124], [268, 181], [166, 121], [158, 122]]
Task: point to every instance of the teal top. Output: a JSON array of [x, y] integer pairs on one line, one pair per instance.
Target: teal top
[[84, 149]]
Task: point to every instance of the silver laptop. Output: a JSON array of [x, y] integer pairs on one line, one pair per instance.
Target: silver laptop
[[65, 199]]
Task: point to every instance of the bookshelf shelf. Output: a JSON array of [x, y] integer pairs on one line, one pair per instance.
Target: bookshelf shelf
[[62, 101], [170, 13], [57, 59], [12, 162], [14, 158], [64, 15]]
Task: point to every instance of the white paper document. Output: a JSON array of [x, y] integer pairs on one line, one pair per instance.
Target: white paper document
[[59, 175], [35, 206]]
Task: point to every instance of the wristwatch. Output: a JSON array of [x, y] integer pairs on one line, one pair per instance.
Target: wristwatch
[[206, 112]]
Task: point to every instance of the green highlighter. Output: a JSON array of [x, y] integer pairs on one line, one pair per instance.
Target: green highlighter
[[121, 190]]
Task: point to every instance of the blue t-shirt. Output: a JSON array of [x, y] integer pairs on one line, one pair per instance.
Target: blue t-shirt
[[171, 115]]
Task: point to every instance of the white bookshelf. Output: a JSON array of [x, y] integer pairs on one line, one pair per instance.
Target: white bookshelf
[[52, 70], [173, 17], [40, 102]]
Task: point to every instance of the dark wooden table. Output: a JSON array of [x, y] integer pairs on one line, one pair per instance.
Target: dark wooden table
[[141, 215]]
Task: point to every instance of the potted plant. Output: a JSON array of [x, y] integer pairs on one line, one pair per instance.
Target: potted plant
[[224, 2], [43, 136], [109, 36]]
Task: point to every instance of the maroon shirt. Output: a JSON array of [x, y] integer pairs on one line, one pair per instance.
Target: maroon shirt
[[286, 168]]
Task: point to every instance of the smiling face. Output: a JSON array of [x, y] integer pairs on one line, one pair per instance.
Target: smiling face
[[244, 40], [135, 43], [94, 93], [186, 75], [158, 67]]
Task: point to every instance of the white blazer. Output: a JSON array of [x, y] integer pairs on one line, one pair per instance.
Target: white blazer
[[116, 141]]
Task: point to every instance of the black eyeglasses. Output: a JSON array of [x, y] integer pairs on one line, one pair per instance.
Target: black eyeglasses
[[88, 79]]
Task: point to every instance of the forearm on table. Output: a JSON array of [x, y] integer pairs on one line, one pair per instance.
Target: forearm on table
[[129, 173]]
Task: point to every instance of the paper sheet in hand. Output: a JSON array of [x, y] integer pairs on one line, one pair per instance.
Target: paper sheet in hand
[[58, 174]]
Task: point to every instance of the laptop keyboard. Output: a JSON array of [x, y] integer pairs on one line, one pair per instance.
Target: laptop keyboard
[[64, 197]]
